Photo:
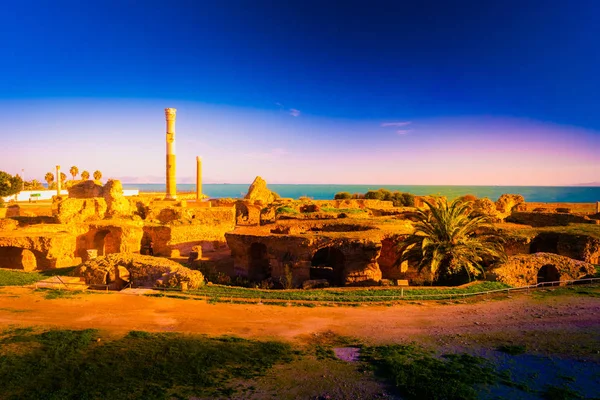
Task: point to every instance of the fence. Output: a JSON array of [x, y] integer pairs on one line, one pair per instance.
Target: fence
[[402, 296]]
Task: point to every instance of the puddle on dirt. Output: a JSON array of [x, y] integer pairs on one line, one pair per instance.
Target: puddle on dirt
[[348, 354]]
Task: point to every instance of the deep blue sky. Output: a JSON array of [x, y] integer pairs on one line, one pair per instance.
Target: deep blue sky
[[418, 61]]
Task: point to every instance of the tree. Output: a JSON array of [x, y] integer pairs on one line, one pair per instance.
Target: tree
[[63, 177], [49, 178], [449, 241], [342, 196], [74, 171], [85, 175], [33, 185], [97, 175], [9, 184]]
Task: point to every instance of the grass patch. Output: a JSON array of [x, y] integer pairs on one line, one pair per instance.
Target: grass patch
[[217, 293], [512, 349], [77, 364], [286, 210], [591, 290], [52, 294], [23, 278], [343, 210], [417, 374], [552, 392]]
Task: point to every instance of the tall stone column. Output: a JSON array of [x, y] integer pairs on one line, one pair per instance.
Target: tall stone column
[[198, 178], [58, 180], [171, 177]]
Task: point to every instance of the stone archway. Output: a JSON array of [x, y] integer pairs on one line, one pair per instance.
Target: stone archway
[[329, 263], [260, 266], [548, 273], [105, 243], [18, 258]]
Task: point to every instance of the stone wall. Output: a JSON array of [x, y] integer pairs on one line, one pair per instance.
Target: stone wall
[[540, 219], [51, 249], [296, 252], [577, 208], [522, 270]]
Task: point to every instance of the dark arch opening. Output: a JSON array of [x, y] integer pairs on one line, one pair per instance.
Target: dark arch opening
[[329, 263], [260, 267], [548, 273], [104, 242], [18, 258], [546, 242]]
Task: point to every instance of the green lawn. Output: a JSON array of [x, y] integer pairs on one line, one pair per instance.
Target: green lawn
[[66, 364], [19, 278], [343, 295]]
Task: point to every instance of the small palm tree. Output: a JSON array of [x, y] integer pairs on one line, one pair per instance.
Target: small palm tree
[[49, 178], [97, 175], [63, 177], [448, 241], [85, 175], [74, 171]]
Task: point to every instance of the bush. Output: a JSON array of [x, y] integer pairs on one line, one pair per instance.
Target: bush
[[386, 195], [342, 196], [358, 196], [563, 210], [374, 195], [9, 184], [2, 205], [408, 199]]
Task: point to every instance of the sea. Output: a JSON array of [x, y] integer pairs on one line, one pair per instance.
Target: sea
[[543, 194]]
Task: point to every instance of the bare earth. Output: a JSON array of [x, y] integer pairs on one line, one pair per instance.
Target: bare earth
[[119, 313]]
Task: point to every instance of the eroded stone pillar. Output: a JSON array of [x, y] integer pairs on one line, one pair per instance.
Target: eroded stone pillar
[[198, 178], [171, 193], [58, 180]]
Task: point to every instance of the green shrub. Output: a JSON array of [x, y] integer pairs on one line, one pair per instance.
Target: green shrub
[[2, 205], [386, 195], [408, 199], [374, 195], [342, 196]]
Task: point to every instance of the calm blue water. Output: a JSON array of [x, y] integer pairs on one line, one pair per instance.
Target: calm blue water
[[567, 194]]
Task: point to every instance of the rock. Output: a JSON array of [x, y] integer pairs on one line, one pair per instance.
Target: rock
[[486, 207], [258, 191], [85, 190], [8, 224], [117, 204], [80, 210], [144, 270], [506, 203], [523, 269], [315, 283]]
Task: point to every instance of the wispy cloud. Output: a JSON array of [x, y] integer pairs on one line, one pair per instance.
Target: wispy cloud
[[402, 123], [403, 131], [294, 112]]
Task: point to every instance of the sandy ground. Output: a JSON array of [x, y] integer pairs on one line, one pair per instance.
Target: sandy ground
[[119, 313]]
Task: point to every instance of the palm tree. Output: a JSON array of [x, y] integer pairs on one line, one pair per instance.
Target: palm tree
[[85, 175], [63, 177], [49, 178], [74, 171], [97, 175], [449, 240]]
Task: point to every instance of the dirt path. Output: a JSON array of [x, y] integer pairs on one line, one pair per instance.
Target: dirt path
[[120, 313]]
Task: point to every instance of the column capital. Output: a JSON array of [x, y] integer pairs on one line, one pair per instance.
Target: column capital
[[170, 113]]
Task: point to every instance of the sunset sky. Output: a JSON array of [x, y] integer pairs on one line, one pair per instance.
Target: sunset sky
[[446, 92]]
